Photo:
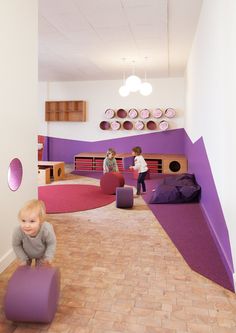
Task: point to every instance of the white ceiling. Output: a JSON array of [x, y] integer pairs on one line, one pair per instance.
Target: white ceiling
[[89, 39]]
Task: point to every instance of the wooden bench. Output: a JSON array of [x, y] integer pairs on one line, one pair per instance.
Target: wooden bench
[[57, 169]]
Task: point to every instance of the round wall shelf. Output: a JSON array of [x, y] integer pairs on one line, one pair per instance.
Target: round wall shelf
[[163, 125], [151, 125], [145, 113], [115, 125], [121, 113], [170, 113], [157, 113], [139, 125], [133, 113], [109, 113], [128, 125], [105, 125]]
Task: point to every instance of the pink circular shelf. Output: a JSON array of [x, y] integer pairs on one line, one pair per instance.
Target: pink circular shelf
[[151, 125], [128, 125], [115, 125], [139, 125], [133, 113], [157, 113], [163, 125], [121, 113], [105, 125], [145, 113], [170, 113], [109, 113]]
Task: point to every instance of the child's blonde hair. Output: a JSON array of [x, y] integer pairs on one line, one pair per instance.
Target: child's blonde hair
[[34, 205], [137, 150], [111, 151]]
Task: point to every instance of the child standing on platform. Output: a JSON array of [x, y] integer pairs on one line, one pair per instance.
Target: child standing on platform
[[109, 163], [141, 166], [34, 238]]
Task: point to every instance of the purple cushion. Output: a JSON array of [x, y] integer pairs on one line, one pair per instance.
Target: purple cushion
[[176, 189], [32, 294], [164, 194], [189, 193]]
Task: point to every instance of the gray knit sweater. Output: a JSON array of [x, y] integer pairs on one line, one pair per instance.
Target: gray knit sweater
[[42, 246]]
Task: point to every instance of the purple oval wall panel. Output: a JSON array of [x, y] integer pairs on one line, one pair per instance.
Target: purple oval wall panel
[[15, 173]]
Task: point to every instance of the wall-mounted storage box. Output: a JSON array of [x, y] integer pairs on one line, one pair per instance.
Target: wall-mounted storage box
[[65, 110]]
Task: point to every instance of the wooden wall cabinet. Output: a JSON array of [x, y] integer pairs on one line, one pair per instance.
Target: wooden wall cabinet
[[65, 110]]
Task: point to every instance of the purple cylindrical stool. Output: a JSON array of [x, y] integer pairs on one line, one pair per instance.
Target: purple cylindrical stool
[[32, 294], [124, 197]]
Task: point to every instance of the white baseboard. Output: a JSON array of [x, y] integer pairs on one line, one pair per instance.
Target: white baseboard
[[6, 260], [234, 277]]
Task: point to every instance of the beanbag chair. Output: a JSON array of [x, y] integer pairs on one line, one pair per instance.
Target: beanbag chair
[[176, 189]]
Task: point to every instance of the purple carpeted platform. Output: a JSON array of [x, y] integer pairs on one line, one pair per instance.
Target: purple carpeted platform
[[187, 227]]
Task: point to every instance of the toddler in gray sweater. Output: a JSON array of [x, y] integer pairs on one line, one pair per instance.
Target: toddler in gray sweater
[[34, 238]]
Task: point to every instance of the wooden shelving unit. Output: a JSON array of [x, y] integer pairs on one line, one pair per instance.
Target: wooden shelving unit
[[157, 163], [65, 110]]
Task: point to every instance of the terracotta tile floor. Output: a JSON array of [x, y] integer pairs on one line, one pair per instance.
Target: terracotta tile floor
[[121, 273]]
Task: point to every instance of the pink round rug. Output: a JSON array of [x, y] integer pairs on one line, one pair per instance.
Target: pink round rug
[[73, 197]]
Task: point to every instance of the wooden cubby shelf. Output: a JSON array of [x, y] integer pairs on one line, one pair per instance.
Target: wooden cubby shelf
[[65, 110], [157, 163]]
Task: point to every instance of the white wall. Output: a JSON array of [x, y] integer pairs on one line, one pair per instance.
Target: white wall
[[210, 108], [18, 91], [101, 95]]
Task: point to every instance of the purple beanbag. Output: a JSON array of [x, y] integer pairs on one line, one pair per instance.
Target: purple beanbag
[[176, 189]]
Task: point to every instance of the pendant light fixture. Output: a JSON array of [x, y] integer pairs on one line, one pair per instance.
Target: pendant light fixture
[[133, 82], [124, 90], [146, 87]]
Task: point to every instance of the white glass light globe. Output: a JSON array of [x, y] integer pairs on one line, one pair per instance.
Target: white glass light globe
[[145, 89], [133, 83], [124, 91]]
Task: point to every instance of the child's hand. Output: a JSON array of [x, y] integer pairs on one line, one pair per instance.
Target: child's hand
[[131, 167]]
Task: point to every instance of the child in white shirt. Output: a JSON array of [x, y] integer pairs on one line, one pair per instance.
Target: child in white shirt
[[141, 166]]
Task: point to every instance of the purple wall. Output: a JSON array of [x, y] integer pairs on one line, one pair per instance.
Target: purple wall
[[169, 142], [198, 164]]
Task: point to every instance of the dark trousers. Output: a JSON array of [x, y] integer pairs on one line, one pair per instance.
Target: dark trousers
[[140, 181]]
